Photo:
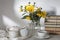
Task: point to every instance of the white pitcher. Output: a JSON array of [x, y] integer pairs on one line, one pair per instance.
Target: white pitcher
[[24, 32]]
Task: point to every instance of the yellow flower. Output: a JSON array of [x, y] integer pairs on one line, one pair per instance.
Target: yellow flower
[[28, 18], [38, 14], [30, 8], [38, 9], [44, 14], [41, 13], [20, 10]]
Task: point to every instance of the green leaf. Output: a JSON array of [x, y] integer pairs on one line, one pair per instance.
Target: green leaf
[[23, 14], [24, 17]]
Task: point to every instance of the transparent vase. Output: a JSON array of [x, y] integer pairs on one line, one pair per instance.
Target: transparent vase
[[31, 29]]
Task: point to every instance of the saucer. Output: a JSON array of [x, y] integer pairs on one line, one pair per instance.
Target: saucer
[[45, 37]]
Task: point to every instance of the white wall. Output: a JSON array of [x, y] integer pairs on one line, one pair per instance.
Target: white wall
[[45, 4], [7, 9]]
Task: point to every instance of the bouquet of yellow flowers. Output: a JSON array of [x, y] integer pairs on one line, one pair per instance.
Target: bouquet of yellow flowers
[[35, 13]]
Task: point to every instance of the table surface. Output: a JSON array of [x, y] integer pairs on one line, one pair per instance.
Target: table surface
[[52, 37]]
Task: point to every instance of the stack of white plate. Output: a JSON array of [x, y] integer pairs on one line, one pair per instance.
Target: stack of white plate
[[13, 38], [4, 38], [2, 33], [13, 34]]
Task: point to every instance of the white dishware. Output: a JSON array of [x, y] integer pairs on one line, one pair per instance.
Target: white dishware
[[14, 38], [2, 33], [13, 32], [4, 38], [42, 34], [24, 32]]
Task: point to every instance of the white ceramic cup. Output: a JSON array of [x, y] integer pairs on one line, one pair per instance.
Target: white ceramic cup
[[24, 32], [42, 34]]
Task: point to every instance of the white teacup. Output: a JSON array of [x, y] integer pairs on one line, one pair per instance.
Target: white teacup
[[42, 34]]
